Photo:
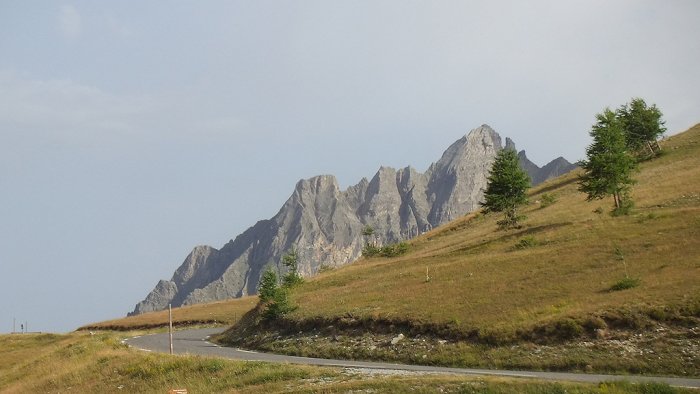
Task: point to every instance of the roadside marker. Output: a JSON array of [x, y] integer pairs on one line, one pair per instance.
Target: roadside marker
[[170, 323]]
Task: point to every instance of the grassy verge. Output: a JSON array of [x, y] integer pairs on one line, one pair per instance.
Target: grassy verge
[[80, 362]]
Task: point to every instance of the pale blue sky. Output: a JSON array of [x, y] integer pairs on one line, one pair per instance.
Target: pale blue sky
[[132, 131]]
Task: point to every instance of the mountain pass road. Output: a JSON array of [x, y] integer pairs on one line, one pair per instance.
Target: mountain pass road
[[196, 342]]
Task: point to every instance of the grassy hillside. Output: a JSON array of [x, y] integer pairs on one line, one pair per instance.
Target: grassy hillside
[[561, 263], [216, 313], [545, 286]]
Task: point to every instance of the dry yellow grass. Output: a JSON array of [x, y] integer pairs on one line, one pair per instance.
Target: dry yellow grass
[[220, 313], [479, 280], [84, 363]]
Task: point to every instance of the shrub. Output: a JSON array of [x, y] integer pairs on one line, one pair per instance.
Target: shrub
[[626, 319], [394, 250], [370, 250], [547, 200], [593, 323], [625, 283], [567, 329], [625, 208], [510, 221], [658, 314], [526, 242]]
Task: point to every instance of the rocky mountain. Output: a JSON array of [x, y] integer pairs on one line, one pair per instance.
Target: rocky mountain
[[324, 224]]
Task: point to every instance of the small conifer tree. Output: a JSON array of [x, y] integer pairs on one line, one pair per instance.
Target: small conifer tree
[[268, 286], [291, 261], [507, 188]]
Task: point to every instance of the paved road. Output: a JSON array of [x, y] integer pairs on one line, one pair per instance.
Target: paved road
[[195, 342]]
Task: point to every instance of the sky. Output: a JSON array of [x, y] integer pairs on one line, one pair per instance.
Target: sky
[[132, 131]]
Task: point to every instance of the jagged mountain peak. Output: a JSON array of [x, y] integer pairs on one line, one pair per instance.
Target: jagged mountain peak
[[385, 171], [559, 160], [511, 145], [324, 224], [318, 181], [481, 141]]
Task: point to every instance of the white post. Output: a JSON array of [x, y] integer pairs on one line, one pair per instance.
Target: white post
[[170, 323]]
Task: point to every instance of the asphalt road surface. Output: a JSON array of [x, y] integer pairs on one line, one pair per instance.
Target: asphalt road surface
[[196, 342]]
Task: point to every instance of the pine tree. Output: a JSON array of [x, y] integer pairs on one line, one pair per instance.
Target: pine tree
[[507, 188], [274, 299], [609, 166], [268, 286], [291, 261]]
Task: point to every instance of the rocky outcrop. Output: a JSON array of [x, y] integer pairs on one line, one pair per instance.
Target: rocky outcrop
[[324, 224]]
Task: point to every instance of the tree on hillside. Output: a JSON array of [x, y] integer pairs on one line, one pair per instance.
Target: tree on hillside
[[291, 261], [274, 299], [267, 286], [368, 233], [507, 188], [642, 127], [370, 249], [609, 166]]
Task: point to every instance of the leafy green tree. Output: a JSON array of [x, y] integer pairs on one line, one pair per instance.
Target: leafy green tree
[[267, 286], [609, 166], [642, 126], [291, 261], [507, 188]]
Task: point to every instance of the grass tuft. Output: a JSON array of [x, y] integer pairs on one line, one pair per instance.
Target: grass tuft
[[547, 199], [625, 283], [526, 242]]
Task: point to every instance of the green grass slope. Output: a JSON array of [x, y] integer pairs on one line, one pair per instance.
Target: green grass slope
[[542, 291]]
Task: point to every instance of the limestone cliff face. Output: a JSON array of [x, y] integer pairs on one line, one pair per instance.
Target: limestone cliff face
[[458, 179], [324, 224]]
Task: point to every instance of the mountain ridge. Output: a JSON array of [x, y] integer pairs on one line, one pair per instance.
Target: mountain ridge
[[324, 223]]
